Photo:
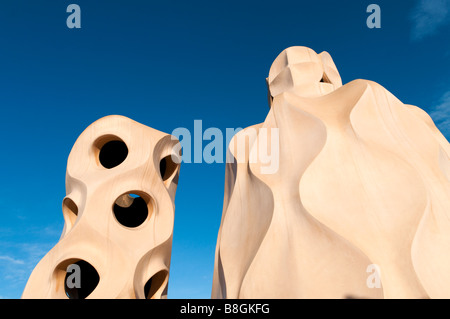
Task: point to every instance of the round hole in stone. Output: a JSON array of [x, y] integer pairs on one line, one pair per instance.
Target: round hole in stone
[[112, 152], [131, 210], [155, 284], [81, 280], [70, 210], [166, 167]]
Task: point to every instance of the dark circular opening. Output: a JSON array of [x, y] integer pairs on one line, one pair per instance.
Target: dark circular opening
[[130, 210], [81, 279], [166, 167], [113, 153], [154, 284], [70, 210]]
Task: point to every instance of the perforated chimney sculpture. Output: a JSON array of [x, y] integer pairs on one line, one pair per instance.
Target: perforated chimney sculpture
[[362, 191], [119, 213]]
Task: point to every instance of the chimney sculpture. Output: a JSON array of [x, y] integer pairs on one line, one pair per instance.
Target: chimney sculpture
[[358, 205], [119, 212]]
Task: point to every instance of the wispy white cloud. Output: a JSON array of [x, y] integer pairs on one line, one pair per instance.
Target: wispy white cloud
[[441, 114], [16, 264], [428, 16], [12, 260]]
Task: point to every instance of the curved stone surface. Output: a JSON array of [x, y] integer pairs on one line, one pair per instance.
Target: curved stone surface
[[119, 214], [362, 180]]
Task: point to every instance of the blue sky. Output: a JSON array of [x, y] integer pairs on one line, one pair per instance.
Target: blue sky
[[166, 64]]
